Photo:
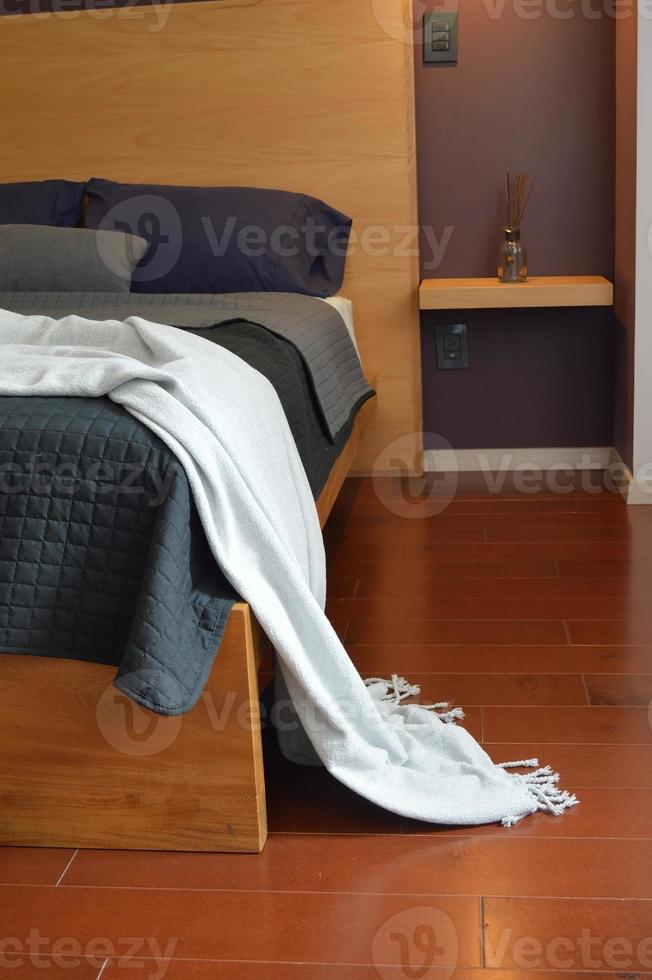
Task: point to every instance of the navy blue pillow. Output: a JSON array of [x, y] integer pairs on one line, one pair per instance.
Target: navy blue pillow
[[42, 202], [225, 239]]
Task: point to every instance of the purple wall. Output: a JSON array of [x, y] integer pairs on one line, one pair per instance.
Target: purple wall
[[538, 378], [534, 95]]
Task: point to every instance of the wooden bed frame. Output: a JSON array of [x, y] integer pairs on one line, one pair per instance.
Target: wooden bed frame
[[306, 95], [83, 766]]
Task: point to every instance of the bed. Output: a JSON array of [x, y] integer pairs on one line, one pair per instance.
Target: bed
[[74, 775], [139, 769]]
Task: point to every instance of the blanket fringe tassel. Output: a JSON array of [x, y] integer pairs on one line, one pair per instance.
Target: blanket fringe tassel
[[398, 689], [542, 784]]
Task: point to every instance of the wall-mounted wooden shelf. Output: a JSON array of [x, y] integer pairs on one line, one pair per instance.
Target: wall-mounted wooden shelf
[[489, 294]]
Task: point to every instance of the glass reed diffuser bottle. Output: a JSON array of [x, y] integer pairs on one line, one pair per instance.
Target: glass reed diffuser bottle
[[512, 257]]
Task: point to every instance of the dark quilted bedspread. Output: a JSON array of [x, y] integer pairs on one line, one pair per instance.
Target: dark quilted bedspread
[[102, 555]]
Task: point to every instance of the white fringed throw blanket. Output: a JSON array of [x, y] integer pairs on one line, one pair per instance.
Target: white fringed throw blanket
[[225, 424]]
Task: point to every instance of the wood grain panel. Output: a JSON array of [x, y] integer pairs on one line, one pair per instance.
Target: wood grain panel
[[98, 771], [316, 97], [345, 461], [538, 291]]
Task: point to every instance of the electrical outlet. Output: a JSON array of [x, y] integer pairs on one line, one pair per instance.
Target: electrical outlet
[[452, 346], [440, 36]]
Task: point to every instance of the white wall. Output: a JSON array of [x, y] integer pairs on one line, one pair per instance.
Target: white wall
[[643, 360]]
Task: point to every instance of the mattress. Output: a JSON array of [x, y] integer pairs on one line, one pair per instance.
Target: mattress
[[345, 309]]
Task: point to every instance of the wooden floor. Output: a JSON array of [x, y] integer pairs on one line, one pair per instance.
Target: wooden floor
[[533, 612]]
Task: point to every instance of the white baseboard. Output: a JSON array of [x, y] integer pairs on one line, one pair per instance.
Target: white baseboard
[[509, 460], [635, 491]]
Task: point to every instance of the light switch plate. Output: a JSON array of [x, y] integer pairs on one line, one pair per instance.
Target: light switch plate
[[440, 36]]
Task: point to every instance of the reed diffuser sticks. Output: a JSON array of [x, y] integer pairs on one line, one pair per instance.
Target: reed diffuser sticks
[[518, 190], [512, 258]]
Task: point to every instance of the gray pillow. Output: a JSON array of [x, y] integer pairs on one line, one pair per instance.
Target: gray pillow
[[42, 259]]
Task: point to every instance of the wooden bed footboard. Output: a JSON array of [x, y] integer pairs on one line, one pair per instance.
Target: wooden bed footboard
[[81, 765]]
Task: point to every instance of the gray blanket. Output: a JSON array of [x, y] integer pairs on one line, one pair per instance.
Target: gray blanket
[[314, 328], [102, 555]]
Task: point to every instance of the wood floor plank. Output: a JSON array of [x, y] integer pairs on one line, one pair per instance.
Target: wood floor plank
[[567, 934], [636, 567], [387, 658], [411, 533], [617, 631], [462, 631], [381, 518], [353, 558], [492, 689], [490, 487], [238, 925], [377, 585], [387, 574], [591, 725], [342, 588], [628, 689], [487, 503], [594, 765], [213, 970], [581, 532], [28, 966], [460, 865], [433, 607], [33, 865]]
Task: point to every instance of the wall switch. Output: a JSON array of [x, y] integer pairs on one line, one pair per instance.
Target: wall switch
[[452, 346], [440, 36]]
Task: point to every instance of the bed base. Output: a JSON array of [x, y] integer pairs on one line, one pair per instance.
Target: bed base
[[83, 766]]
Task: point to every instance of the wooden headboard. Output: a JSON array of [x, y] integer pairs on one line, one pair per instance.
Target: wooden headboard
[[313, 96]]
